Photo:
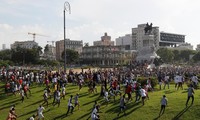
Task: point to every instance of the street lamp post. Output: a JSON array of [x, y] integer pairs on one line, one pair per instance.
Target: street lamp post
[[68, 9]]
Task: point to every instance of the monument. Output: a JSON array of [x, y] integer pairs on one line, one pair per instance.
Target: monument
[[147, 51]]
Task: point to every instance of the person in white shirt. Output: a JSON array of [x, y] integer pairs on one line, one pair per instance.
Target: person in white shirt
[[190, 94], [76, 102], [106, 97], [70, 106], [180, 82], [143, 94], [45, 97], [176, 80], [63, 92], [32, 117], [40, 114], [194, 80], [37, 78], [57, 98], [122, 105], [22, 95], [94, 114], [163, 104], [166, 81]]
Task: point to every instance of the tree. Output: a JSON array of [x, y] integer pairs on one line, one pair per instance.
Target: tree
[[176, 55], [46, 48], [157, 61], [5, 54], [165, 54], [185, 55], [196, 57], [71, 56], [25, 56], [37, 49]]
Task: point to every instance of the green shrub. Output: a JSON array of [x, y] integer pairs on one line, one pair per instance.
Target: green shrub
[[143, 81], [5, 63]]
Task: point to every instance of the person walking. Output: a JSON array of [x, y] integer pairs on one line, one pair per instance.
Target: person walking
[[122, 105], [22, 95], [76, 101], [45, 97], [94, 114], [63, 92], [163, 104], [57, 98], [143, 94], [166, 81], [40, 112], [190, 94], [70, 106]]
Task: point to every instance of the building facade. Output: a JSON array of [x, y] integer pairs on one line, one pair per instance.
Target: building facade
[[106, 55], [3, 46], [105, 40], [138, 35], [70, 44], [198, 47], [171, 39], [125, 41], [49, 53], [24, 44], [184, 46]]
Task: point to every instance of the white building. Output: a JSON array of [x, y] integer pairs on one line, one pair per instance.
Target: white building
[[105, 40], [24, 44], [198, 47], [70, 44], [185, 46], [50, 53], [138, 35], [3, 46], [125, 41]]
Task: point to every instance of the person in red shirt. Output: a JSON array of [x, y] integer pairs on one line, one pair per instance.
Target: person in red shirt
[[114, 85], [128, 91], [25, 91], [7, 88], [20, 81], [47, 82]]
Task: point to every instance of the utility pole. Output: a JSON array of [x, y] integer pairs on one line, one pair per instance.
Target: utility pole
[[68, 9]]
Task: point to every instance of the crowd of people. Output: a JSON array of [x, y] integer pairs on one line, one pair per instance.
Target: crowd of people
[[113, 82]]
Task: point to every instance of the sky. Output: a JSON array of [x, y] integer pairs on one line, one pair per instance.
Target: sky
[[90, 19]]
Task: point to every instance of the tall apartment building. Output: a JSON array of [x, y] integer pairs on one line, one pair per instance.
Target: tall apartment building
[[105, 40], [70, 44], [138, 35], [24, 44], [138, 39], [125, 41]]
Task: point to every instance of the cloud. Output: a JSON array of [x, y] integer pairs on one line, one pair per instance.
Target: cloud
[[90, 19], [9, 34], [5, 27], [92, 32]]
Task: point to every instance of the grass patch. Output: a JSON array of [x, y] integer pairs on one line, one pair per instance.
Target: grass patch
[[175, 110]]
